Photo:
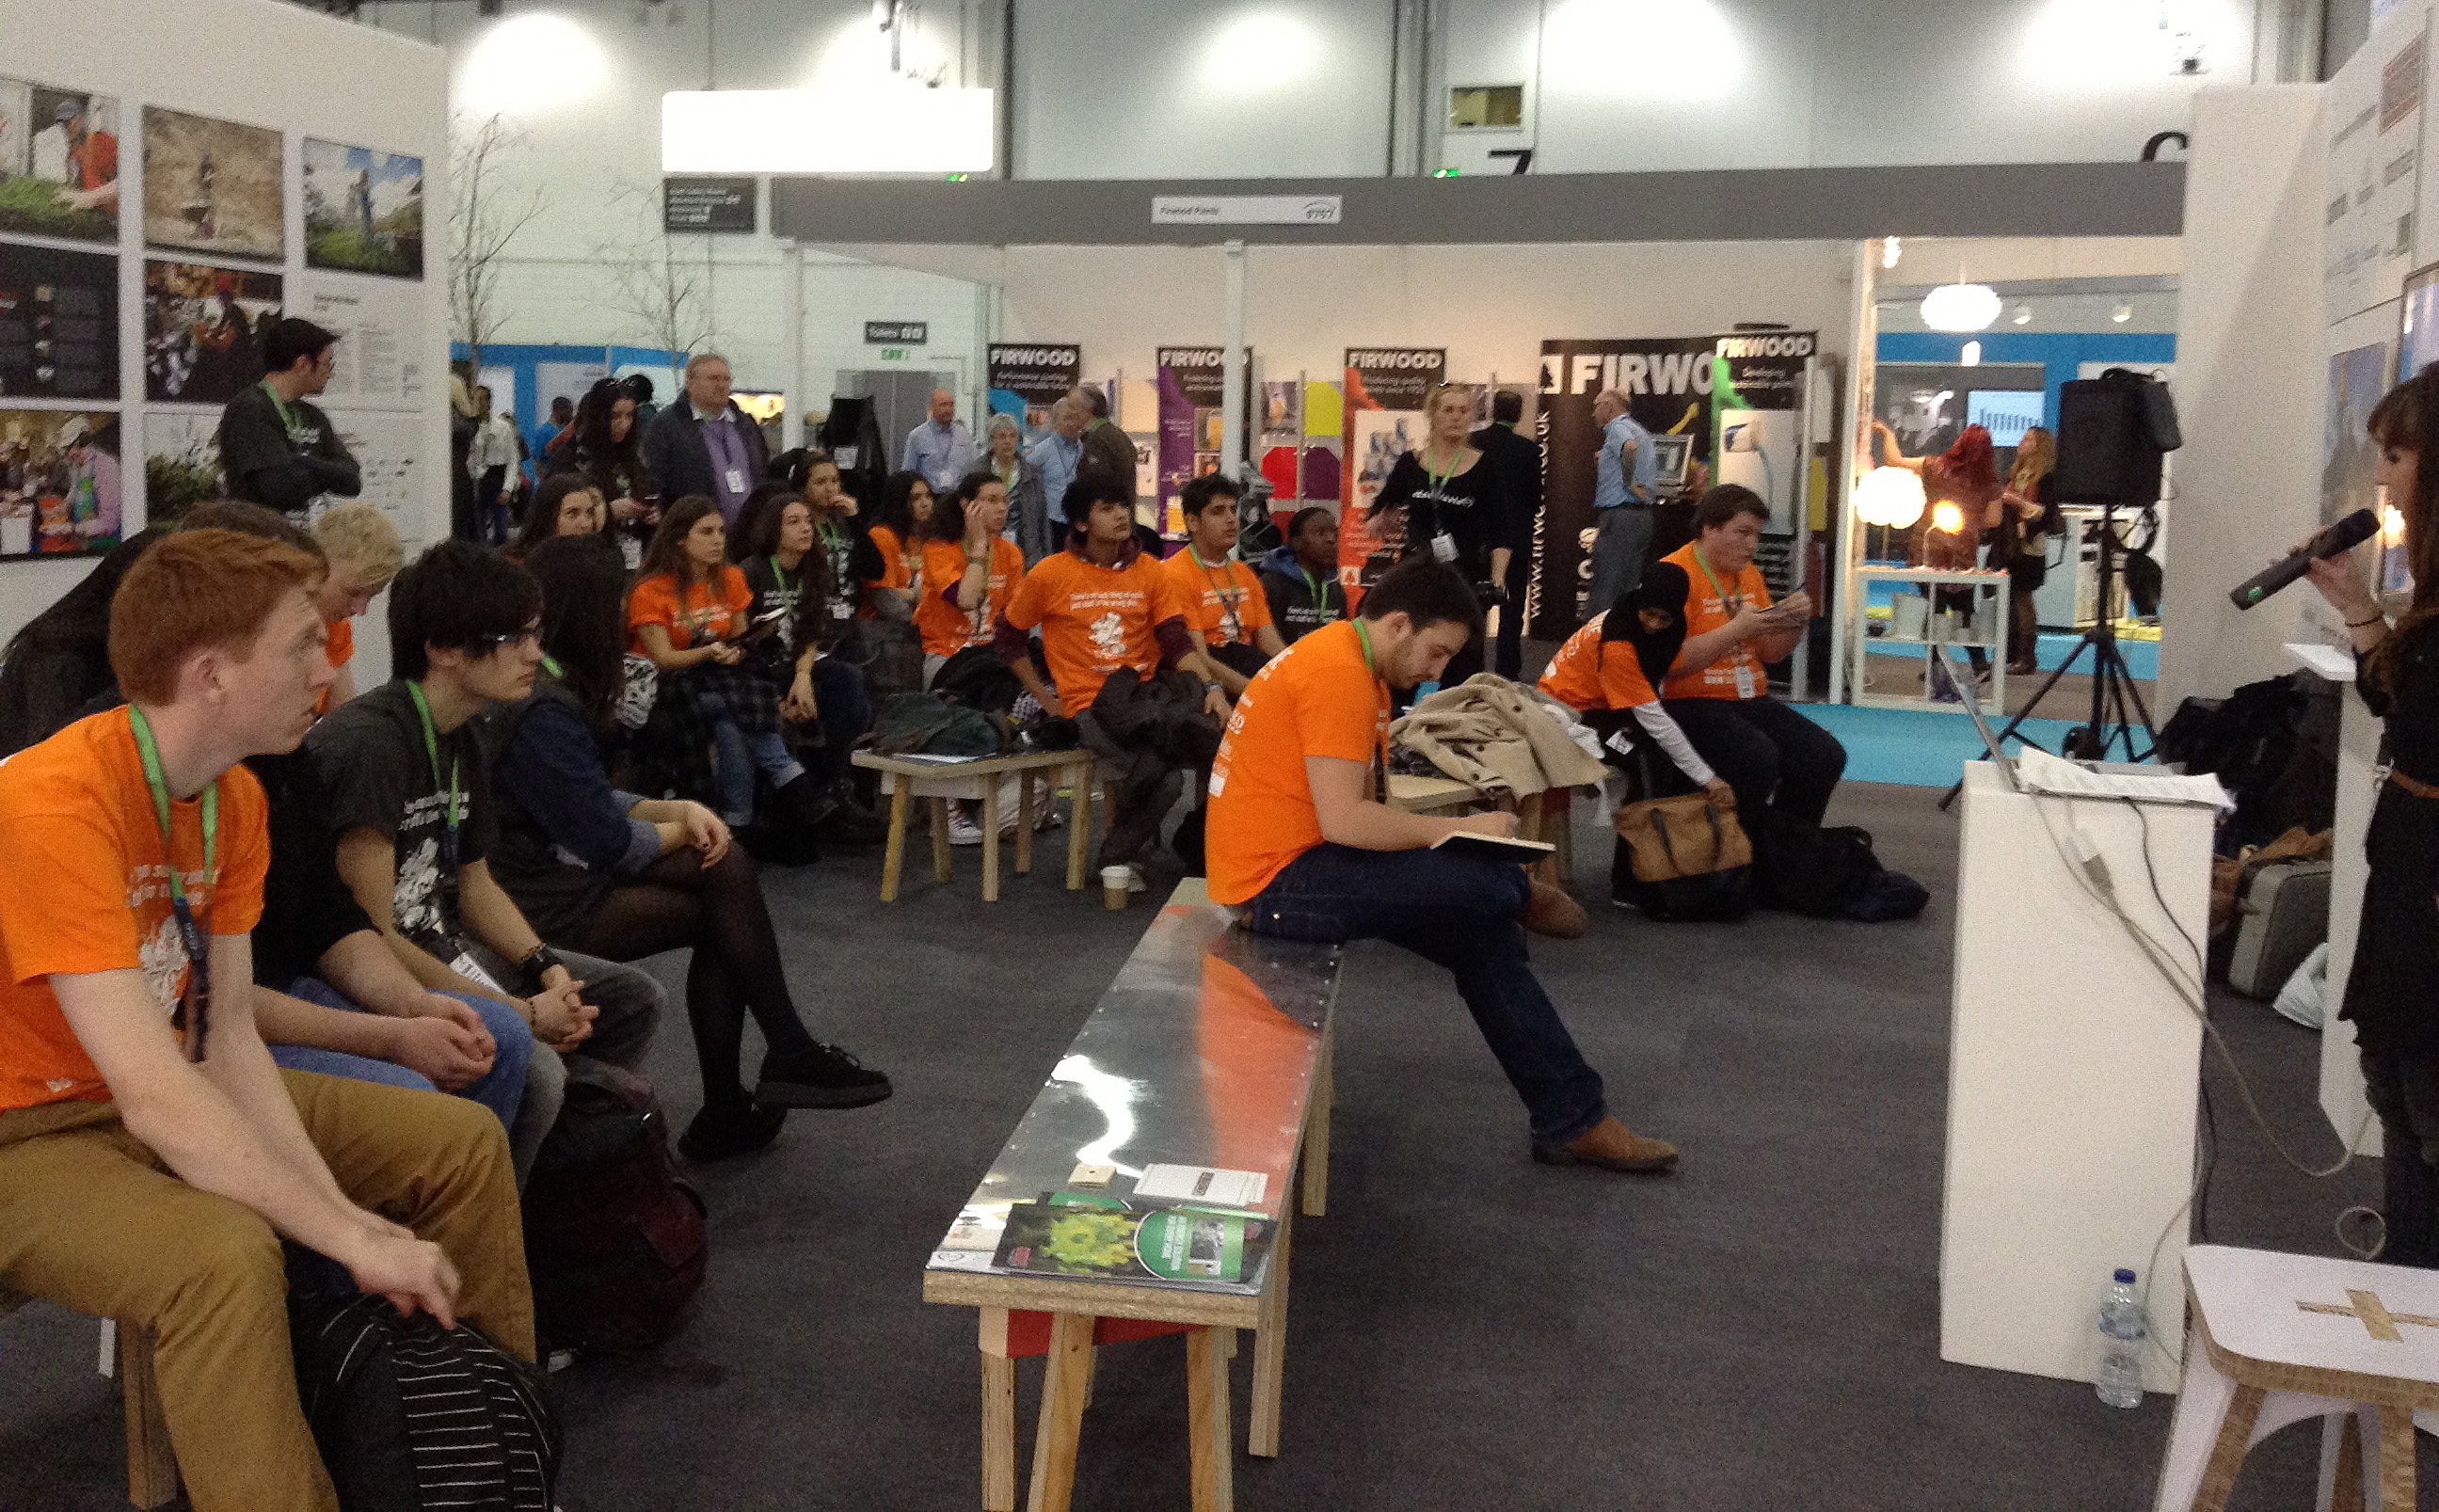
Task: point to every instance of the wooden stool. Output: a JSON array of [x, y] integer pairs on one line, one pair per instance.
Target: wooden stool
[[909, 779], [151, 1469], [2280, 1338]]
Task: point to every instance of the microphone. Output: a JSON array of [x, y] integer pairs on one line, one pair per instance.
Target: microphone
[[2343, 536]]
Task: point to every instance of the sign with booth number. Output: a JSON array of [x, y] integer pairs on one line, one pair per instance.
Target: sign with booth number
[[707, 204], [897, 332]]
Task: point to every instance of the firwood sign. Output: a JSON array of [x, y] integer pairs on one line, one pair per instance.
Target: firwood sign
[[1395, 357], [1658, 372]]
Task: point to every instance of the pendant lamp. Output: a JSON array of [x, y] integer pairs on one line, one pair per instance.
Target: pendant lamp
[[1961, 307]]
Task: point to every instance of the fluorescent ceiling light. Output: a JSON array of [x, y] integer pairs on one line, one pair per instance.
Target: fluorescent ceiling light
[[882, 129], [532, 65], [1266, 49], [1961, 307], [1642, 50]]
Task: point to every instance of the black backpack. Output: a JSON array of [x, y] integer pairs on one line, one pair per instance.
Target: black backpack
[[615, 1236], [1833, 873], [481, 1434]]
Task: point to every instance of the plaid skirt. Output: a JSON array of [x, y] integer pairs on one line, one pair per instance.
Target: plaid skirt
[[673, 751]]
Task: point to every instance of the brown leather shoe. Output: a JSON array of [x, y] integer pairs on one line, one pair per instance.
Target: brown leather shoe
[[1550, 912], [1609, 1146]]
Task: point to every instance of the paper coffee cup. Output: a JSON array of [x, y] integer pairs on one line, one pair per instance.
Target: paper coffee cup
[[1113, 886]]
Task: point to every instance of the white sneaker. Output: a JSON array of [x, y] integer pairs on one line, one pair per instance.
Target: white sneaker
[[963, 830], [1047, 817], [1136, 881]]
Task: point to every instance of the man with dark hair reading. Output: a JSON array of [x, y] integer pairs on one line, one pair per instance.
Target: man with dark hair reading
[[410, 794], [1298, 837], [151, 1156], [275, 448]]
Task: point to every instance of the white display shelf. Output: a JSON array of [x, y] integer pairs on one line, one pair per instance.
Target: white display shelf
[[1995, 584]]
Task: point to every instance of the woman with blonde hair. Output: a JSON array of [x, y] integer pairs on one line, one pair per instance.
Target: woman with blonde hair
[[2027, 521], [1441, 503]]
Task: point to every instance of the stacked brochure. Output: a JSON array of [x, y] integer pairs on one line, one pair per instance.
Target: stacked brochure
[[1104, 1238]]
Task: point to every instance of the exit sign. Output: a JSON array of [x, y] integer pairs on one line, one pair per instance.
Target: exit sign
[[897, 332]]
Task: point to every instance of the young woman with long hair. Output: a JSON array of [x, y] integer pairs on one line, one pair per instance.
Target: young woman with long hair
[[566, 504], [795, 592], [1447, 507], [686, 613], [2028, 520], [969, 569], [2393, 989], [608, 448], [905, 503], [1966, 476], [648, 875]]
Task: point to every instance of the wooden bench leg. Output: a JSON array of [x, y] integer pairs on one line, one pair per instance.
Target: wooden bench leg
[[151, 1467], [1024, 813], [2396, 1458], [1207, 1416], [893, 855], [999, 1434], [1271, 1350], [990, 840], [1080, 823], [1062, 1412], [1316, 1137], [940, 840]]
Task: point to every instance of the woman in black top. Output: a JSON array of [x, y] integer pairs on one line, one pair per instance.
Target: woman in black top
[[2393, 988], [796, 593], [607, 449], [2026, 522], [606, 873], [1444, 504]]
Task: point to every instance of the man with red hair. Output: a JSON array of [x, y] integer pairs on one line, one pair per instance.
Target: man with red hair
[[151, 1155]]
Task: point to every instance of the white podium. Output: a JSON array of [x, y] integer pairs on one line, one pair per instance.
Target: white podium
[[2073, 1081]]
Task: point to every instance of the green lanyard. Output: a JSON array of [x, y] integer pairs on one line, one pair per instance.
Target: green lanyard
[[1319, 589], [1439, 480], [779, 576], [432, 749], [190, 935], [287, 421], [550, 665], [1227, 600], [1363, 639], [1726, 602]]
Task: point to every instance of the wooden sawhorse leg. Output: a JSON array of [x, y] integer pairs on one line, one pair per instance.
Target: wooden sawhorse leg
[[151, 1467], [1207, 1416], [1024, 813], [1271, 1349], [1064, 1380], [1079, 822], [1315, 1155], [999, 1414], [893, 855]]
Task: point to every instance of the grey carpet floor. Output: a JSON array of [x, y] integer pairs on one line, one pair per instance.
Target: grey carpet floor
[[1468, 1330]]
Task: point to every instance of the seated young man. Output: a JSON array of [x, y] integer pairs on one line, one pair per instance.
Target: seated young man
[[151, 1155], [1103, 607], [1300, 576], [1296, 835], [365, 552], [1717, 690], [1222, 600], [410, 797]]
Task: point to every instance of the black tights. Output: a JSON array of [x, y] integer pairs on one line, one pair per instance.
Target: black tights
[[719, 913]]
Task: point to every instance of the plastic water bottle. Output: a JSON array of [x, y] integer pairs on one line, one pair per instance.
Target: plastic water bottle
[[2123, 1329]]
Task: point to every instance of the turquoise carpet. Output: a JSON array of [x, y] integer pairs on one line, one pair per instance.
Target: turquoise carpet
[[1917, 747]]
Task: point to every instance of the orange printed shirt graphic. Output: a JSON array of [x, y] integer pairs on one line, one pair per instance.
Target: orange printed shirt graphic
[[85, 888], [1094, 620]]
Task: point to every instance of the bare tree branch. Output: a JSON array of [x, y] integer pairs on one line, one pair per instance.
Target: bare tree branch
[[487, 213], [661, 289]]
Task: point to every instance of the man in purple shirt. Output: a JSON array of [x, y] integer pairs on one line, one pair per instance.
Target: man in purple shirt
[[705, 445]]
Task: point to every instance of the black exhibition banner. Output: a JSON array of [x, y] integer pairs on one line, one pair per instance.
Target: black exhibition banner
[[58, 322], [692, 204], [1666, 381], [1036, 372]]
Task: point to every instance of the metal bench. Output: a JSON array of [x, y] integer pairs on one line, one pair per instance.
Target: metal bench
[[1210, 1040], [151, 1469], [907, 778]]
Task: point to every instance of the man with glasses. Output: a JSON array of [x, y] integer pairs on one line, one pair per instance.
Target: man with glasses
[[410, 799]]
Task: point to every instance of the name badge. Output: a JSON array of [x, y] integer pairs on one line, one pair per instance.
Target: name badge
[[1744, 679], [737, 480], [1444, 547], [840, 612], [467, 967]]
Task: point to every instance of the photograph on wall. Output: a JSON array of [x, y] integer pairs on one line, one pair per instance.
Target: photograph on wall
[[59, 162], [364, 210], [1281, 441], [58, 322], [2417, 340], [1666, 381], [213, 185], [1757, 407], [2357, 379], [182, 464], [60, 493], [1382, 416], [378, 362], [203, 328]]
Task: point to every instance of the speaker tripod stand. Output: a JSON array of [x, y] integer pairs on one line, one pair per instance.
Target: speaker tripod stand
[[2112, 685]]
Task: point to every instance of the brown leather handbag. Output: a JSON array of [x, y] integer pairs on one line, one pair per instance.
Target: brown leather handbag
[[1690, 857]]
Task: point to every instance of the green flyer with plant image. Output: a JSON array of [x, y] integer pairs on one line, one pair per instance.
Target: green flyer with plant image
[[1091, 1235]]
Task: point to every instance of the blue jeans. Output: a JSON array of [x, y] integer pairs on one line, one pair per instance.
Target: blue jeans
[[742, 755], [1459, 912], [500, 1088]]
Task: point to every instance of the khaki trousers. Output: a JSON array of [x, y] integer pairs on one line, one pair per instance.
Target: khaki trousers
[[91, 1220]]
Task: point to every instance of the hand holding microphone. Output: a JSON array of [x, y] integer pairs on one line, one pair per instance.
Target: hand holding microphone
[[2335, 541]]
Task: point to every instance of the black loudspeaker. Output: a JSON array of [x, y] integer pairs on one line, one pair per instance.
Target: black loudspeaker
[[2112, 432]]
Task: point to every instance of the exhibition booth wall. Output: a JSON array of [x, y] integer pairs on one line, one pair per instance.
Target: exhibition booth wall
[[250, 183]]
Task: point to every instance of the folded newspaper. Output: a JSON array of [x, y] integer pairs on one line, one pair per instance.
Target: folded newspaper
[[2037, 771]]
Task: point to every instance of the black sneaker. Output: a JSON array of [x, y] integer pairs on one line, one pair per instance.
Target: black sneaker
[[720, 1133], [823, 1076]]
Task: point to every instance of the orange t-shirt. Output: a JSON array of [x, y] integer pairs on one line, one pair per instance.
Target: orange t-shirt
[[948, 629], [341, 648], [1223, 604], [702, 613], [1094, 620], [1318, 698], [1587, 674], [1705, 611], [85, 888]]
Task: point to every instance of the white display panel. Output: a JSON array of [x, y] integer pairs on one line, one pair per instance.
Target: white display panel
[[382, 358]]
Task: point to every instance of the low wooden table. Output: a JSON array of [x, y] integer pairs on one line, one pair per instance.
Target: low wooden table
[[1210, 1040], [908, 777]]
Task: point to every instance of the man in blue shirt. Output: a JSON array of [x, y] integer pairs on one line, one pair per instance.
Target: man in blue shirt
[[940, 449], [1624, 489], [1054, 458]]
